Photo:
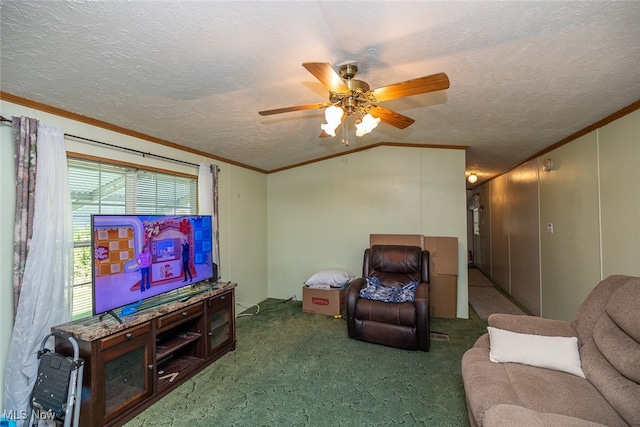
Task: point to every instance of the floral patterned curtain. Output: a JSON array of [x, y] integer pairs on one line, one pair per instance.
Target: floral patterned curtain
[[216, 240], [208, 205], [24, 132], [44, 228]]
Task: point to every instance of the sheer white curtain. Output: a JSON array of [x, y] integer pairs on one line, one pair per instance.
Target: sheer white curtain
[[45, 296], [208, 204]]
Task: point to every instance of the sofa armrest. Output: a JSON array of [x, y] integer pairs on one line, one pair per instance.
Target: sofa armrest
[[356, 285], [422, 292], [482, 341], [506, 415], [353, 294], [532, 325], [423, 325]]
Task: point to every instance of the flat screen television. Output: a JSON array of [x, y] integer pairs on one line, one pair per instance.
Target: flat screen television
[[176, 249]]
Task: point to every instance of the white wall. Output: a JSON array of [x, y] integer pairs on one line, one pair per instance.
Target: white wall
[[570, 262], [592, 200], [320, 216], [619, 153], [499, 226], [242, 201], [524, 248], [244, 237], [509, 234]]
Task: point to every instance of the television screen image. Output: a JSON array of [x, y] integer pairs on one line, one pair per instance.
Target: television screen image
[[141, 256]]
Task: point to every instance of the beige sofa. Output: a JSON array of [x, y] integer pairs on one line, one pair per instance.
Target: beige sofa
[[607, 327]]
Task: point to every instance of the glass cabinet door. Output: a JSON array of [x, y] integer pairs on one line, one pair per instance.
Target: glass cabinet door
[[220, 322], [127, 376]]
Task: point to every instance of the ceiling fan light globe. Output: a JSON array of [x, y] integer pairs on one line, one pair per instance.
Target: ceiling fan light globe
[[333, 114], [367, 124], [329, 128], [370, 121]]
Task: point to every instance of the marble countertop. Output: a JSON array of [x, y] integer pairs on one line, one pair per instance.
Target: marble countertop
[[92, 328]]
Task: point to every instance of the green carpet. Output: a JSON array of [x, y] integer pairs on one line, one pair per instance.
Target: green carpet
[[296, 369]]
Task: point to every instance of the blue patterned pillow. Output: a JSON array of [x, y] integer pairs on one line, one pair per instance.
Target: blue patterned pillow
[[376, 291]]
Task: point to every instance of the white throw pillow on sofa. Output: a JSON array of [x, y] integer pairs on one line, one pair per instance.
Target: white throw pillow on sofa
[[559, 353]]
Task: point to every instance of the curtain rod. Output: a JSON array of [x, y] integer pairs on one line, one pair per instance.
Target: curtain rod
[[142, 153]]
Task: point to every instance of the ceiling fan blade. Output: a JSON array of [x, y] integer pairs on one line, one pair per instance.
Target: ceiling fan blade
[[290, 109], [417, 86], [327, 76], [391, 117]]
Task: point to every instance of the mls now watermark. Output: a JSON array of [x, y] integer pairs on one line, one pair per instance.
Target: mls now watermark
[[10, 417]]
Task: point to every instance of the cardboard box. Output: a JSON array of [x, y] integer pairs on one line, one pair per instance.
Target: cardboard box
[[397, 239], [443, 296], [332, 302], [443, 254]]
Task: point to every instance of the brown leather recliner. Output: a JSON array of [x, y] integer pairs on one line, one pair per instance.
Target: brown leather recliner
[[403, 325]]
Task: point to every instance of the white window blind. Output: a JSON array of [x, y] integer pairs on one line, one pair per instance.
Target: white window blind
[[102, 188]]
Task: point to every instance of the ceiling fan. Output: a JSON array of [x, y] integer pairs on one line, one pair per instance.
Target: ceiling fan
[[351, 97]]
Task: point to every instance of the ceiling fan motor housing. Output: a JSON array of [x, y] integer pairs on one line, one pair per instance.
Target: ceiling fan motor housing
[[351, 102], [348, 71], [357, 85]]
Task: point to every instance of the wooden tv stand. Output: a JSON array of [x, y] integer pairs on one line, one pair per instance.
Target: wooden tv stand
[[130, 366]]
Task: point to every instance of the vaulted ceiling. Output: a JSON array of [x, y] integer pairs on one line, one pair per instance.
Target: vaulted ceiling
[[524, 75]]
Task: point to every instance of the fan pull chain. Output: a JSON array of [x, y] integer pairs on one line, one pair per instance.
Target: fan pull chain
[[345, 132]]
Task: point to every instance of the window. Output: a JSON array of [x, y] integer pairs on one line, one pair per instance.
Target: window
[[102, 188]]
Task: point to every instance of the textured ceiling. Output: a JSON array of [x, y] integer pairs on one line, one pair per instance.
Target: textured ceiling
[[524, 75]]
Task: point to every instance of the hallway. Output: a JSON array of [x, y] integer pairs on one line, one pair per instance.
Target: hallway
[[486, 299]]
